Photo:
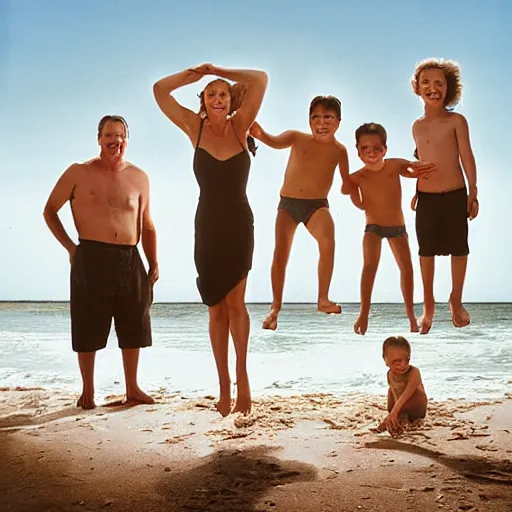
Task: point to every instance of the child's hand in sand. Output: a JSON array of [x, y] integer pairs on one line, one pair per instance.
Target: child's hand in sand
[[392, 424]]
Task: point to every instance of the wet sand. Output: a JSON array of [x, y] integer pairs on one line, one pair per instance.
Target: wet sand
[[304, 453]]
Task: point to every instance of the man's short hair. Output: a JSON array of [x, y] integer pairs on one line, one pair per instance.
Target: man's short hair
[[111, 118]]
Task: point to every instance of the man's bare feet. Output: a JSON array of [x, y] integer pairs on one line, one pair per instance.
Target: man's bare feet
[[271, 321], [86, 401], [460, 316], [361, 325], [327, 306], [137, 396]]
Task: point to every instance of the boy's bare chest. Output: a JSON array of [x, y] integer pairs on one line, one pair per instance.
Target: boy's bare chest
[[318, 158], [434, 134]]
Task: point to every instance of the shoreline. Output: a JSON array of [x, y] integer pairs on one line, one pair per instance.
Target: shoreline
[[180, 303], [303, 453]]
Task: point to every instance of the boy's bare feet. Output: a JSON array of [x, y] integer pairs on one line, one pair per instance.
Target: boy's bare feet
[[460, 316], [329, 307], [425, 320], [361, 325], [86, 401], [271, 321], [413, 322], [424, 324], [137, 396]]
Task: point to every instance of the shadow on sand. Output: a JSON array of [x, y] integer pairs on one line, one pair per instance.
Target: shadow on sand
[[475, 468], [232, 480], [18, 421]]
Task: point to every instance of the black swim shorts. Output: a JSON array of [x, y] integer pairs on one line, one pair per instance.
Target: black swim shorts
[[386, 231], [109, 281], [442, 223], [301, 210]]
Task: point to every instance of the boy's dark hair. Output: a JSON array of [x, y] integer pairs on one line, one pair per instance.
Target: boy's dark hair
[[372, 129], [328, 102], [451, 70], [395, 341], [115, 119]]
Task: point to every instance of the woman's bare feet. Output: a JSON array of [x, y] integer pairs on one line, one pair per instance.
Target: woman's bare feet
[[361, 325], [460, 316], [243, 404], [224, 405], [86, 401], [329, 307], [271, 321], [137, 396], [243, 394]]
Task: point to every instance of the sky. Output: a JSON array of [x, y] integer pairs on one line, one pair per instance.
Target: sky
[[64, 64]]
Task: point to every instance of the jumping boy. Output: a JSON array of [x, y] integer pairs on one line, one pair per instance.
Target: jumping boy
[[379, 185], [443, 202], [308, 179], [407, 400]]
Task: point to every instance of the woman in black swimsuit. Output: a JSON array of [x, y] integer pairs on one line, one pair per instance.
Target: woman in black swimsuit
[[224, 231]]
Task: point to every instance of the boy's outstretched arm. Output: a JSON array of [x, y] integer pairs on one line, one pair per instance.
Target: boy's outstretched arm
[[353, 181], [285, 140], [409, 169], [347, 187], [468, 163]]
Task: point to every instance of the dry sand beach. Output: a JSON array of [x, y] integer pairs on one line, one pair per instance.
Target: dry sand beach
[[300, 454]]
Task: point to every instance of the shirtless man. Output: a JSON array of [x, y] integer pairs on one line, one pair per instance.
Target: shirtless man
[[307, 182], [381, 191], [443, 202], [109, 199]]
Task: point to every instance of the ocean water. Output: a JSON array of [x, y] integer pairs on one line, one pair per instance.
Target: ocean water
[[309, 353]]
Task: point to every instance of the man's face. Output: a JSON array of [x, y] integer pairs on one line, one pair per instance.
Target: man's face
[[323, 123], [113, 140]]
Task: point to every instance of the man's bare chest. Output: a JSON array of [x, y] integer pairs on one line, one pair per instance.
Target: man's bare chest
[[107, 192]]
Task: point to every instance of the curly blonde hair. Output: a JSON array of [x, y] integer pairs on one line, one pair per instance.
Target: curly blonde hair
[[451, 71]]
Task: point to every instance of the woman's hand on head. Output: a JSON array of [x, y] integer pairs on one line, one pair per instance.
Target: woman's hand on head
[[204, 69]]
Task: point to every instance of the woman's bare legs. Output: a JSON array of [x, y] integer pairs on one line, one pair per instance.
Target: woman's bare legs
[[219, 337]]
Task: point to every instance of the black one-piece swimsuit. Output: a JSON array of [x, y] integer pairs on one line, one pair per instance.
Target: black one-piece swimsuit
[[224, 223]]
